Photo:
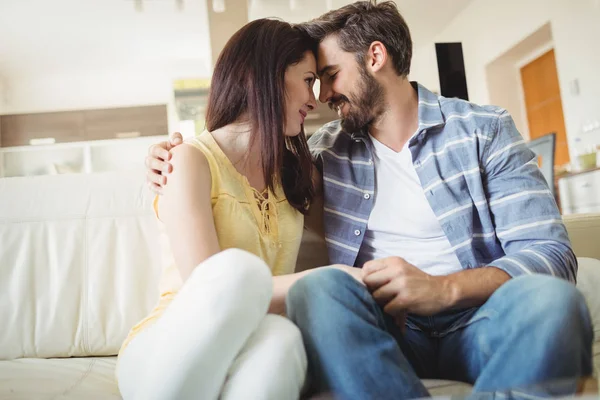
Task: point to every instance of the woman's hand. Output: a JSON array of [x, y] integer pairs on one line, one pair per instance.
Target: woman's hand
[[356, 273]]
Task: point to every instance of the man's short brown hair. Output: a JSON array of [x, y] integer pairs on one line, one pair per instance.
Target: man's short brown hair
[[358, 25]]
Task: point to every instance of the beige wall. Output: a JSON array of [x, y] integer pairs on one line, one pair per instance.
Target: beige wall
[[2, 94], [223, 25], [81, 62], [504, 78], [488, 29]]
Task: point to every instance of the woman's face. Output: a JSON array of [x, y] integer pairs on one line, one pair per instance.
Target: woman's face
[[299, 95]]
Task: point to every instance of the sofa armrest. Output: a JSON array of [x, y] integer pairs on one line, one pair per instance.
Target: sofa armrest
[[584, 231], [588, 282]]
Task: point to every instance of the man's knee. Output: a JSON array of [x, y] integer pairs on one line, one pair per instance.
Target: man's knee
[[319, 287], [325, 300], [547, 293], [550, 302]]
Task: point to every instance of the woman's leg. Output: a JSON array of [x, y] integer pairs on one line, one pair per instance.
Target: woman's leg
[[186, 353], [272, 364]]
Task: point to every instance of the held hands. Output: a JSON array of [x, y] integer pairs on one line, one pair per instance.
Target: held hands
[[157, 162], [356, 273], [400, 287]]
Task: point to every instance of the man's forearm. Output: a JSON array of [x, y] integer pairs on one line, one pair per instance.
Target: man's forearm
[[472, 287]]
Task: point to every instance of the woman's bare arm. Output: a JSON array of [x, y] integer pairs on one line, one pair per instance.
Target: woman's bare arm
[[185, 209]]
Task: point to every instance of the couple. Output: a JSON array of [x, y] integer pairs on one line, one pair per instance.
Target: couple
[[450, 259]]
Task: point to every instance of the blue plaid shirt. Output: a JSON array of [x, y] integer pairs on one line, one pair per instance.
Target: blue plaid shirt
[[481, 181]]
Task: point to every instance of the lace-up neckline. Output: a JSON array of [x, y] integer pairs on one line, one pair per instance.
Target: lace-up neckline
[[263, 204]]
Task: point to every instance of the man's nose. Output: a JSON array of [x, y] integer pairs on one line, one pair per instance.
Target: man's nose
[[325, 93]]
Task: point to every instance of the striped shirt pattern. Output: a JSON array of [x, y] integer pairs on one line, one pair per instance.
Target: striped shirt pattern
[[479, 177]]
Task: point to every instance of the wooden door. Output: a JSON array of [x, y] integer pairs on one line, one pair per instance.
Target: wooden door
[[544, 104]]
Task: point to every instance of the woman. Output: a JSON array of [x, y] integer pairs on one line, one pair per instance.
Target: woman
[[244, 184]]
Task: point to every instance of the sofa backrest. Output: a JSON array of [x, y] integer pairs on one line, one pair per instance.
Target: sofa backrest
[[584, 231], [79, 263]]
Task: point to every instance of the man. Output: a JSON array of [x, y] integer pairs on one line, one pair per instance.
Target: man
[[467, 268]]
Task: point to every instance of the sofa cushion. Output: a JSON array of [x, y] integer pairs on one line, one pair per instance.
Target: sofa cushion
[[596, 355], [588, 281], [94, 378], [438, 387], [59, 379], [80, 263]]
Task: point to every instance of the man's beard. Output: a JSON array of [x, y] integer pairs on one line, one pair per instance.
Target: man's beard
[[365, 107]]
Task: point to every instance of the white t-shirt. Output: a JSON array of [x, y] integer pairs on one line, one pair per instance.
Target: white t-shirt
[[402, 223]]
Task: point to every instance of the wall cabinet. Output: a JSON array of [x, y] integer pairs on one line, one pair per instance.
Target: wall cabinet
[[83, 125], [580, 192]]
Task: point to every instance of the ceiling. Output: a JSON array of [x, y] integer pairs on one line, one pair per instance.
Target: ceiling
[[58, 36], [426, 18], [63, 36]]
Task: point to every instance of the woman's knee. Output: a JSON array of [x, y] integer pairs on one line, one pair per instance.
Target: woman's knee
[[285, 348], [288, 356], [237, 273], [272, 365], [285, 341]]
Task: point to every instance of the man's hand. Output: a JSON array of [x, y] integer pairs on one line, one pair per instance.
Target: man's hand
[[400, 288], [157, 162]]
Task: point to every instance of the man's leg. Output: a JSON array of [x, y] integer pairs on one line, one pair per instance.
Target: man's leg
[[352, 351], [533, 329]]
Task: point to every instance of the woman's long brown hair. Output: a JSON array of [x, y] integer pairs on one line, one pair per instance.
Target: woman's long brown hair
[[249, 79]]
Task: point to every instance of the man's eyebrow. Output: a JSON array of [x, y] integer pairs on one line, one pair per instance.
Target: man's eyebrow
[[325, 69]]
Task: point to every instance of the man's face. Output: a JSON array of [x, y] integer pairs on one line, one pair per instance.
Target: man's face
[[347, 87]]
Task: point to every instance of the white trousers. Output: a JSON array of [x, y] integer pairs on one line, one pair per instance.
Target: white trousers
[[216, 340]]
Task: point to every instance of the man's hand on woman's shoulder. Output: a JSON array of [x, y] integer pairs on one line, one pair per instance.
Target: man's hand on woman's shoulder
[[157, 162]]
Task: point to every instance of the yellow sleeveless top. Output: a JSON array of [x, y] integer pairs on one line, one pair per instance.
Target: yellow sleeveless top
[[267, 226]]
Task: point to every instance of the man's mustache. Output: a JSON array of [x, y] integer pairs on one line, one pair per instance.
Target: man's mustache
[[337, 100]]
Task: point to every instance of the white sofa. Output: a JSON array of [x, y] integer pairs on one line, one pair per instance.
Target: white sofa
[[79, 263]]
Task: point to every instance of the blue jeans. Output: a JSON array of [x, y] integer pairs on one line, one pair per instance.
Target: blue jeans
[[532, 329]]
